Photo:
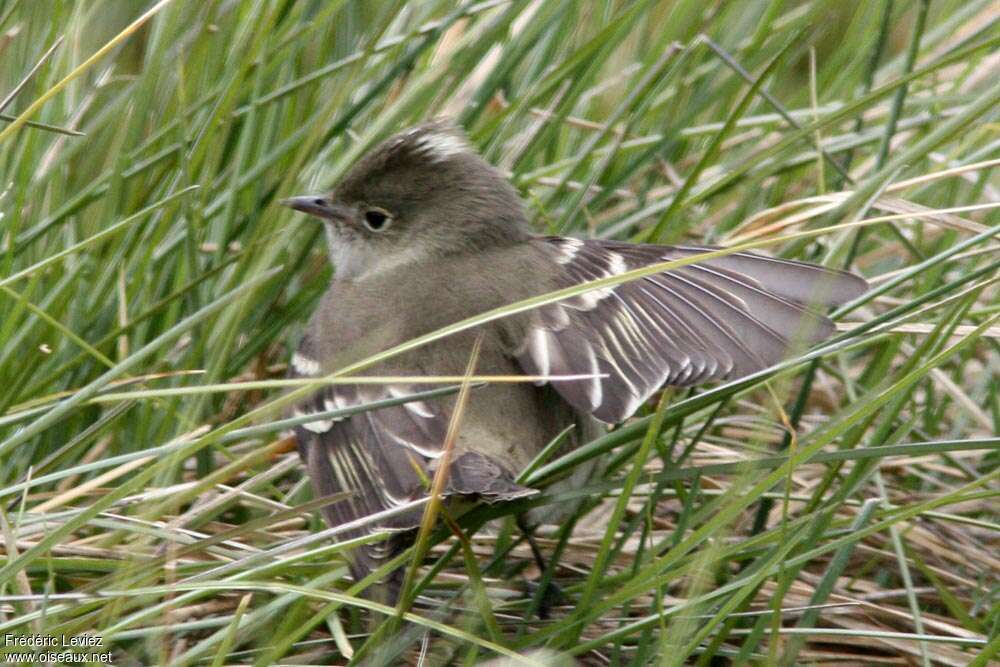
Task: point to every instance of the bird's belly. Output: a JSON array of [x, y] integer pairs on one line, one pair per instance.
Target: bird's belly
[[511, 422]]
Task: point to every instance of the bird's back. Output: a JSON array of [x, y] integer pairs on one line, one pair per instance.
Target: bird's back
[[505, 424]]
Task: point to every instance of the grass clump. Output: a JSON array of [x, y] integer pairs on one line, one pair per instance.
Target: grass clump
[[841, 509]]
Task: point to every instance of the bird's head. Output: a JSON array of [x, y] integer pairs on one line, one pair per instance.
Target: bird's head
[[422, 193]]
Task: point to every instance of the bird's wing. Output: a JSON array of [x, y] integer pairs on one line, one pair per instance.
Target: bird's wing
[[377, 456], [384, 456], [718, 319]]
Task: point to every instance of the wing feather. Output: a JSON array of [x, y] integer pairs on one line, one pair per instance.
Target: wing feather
[[382, 457], [719, 319]]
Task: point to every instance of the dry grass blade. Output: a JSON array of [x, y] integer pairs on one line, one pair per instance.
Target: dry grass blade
[[35, 106], [440, 480]]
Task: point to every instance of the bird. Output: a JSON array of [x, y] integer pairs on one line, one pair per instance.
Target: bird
[[423, 232]]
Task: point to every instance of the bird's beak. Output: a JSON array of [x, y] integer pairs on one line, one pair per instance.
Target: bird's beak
[[318, 206]]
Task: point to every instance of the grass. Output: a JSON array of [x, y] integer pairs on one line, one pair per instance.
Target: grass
[[840, 508]]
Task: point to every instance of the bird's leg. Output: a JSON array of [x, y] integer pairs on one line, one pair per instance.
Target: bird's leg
[[548, 593]]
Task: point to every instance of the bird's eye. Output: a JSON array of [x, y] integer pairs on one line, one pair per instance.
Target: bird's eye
[[377, 219]]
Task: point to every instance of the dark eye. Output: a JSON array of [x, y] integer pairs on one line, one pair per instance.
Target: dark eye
[[376, 219]]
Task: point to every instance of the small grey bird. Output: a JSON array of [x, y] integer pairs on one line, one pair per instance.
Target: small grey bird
[[422, 233]]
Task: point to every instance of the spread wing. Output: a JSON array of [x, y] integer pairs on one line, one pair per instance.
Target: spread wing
[[383, 456], [374, 455], [718, 319]]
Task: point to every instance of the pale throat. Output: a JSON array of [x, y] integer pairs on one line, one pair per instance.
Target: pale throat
[[354, 259]]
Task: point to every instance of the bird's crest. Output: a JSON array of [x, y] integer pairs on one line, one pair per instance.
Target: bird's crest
[[437, 141]]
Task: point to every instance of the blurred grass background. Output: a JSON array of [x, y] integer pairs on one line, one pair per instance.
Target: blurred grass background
[[843, 511]]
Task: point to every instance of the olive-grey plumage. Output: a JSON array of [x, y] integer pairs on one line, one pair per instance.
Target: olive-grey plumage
[[423, 233]]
